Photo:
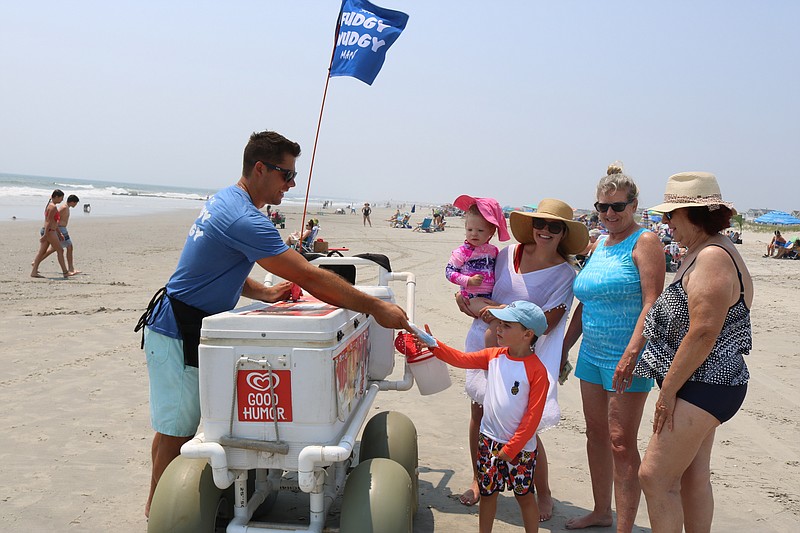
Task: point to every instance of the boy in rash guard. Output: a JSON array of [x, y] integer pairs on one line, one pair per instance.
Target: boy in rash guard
[[515, 396]]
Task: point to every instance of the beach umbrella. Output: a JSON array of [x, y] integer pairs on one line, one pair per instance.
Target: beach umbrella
[[777, 217]]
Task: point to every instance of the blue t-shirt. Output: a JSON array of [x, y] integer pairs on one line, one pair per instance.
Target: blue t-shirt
[[228, 237], [610, 289]]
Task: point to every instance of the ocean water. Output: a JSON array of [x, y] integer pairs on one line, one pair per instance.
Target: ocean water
[[25, 197]]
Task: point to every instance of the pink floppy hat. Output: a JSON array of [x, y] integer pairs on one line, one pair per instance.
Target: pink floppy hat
[[489, 209]]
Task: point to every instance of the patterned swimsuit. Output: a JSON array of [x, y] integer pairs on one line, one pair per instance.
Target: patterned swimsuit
[[667, 324], [719, 384]]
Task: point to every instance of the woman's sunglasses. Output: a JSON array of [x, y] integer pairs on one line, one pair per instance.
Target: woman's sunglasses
[[618, 207], [553, 227], [668, 216]]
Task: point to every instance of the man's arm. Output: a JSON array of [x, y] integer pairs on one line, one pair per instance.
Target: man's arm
[[331, 288]]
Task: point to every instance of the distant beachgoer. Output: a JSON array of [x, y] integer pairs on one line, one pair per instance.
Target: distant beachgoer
[[789, 251], [392, 220], [294, 237], [67, 244], [583, 257], [366, 210], [777, 241], [50, 235]]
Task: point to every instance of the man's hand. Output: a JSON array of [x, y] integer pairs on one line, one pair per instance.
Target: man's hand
[[277, 293], [258, 291], [391, 316]]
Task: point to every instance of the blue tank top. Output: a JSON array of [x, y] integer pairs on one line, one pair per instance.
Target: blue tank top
[[610, 289]]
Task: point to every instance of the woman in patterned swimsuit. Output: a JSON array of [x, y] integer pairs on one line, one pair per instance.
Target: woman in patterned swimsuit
[[698, 332]]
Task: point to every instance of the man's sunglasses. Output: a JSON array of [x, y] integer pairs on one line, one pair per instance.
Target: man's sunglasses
[[668, 215], [288, 175], [618, 207], [553, 227]]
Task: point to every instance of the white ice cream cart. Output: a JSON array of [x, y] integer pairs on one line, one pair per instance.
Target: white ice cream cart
[[285, 389]]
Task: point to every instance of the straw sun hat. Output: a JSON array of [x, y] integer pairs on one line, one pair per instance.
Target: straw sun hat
[[576, 238], [692, 189]]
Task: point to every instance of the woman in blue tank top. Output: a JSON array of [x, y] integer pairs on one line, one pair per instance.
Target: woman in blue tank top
[[616, 289]]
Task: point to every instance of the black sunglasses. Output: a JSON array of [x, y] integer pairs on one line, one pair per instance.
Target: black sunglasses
[[553, 227], [668, 216], [618, 207], [288, 175]]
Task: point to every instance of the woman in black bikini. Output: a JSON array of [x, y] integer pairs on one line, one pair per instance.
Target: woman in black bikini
[[698, 333], [50, 235]]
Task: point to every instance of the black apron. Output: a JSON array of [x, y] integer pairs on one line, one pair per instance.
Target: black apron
[[189, 319]]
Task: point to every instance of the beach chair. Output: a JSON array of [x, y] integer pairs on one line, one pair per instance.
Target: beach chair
[[403, 222], [425, 225]]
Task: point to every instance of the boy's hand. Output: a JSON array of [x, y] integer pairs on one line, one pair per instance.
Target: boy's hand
[[503, 456], [428, 341]]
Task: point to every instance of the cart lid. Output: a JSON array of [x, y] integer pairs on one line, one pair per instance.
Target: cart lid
[[306, 320]]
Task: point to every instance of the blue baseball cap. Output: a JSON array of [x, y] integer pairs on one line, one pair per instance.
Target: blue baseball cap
[[528, 314]]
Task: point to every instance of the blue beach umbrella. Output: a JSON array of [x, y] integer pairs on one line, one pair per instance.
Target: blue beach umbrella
[[777, 217]]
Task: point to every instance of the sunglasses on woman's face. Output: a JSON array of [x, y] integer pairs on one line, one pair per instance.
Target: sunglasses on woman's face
[[618, 207], [668, 216], [553, 227]]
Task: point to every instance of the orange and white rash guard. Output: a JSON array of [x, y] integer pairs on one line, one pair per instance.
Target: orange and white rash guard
[[516, 391]]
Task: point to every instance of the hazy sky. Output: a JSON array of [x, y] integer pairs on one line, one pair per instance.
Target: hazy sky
[[515, 100]]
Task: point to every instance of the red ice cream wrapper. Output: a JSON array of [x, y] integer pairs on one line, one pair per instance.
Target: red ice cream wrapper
[[296, 292], [406, 344]]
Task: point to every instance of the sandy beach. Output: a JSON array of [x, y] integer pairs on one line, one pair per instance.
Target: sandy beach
[[74, 389]]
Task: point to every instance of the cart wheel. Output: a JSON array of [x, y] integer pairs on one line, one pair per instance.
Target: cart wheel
[[377, 499], [392, 435], [187, 500]]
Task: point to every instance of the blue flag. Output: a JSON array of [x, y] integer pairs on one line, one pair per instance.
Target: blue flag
[[366, 32]]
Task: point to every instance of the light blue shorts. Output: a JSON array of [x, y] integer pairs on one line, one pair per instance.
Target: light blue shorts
[[63, 230], [174, 387], [588, 371]]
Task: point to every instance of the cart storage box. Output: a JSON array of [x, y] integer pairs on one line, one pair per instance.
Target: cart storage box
[[305, 363]]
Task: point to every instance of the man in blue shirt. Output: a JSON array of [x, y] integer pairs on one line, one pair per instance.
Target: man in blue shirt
[[227, 239]]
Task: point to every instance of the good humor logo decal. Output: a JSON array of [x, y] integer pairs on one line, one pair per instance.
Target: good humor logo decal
[[261, 398]]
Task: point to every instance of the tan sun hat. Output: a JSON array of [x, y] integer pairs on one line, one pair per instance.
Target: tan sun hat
[[573, 242], [692, 189]]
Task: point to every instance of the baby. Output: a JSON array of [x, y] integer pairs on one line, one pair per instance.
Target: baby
[[472, 264]]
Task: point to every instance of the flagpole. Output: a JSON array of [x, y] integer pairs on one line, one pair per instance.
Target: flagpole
[[319, 126]]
